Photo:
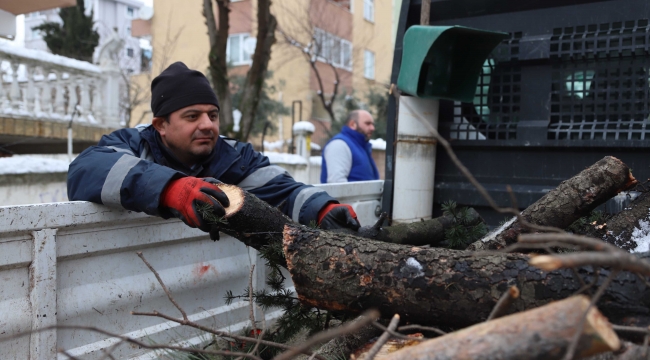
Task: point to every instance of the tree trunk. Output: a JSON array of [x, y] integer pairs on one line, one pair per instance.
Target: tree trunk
[[571, 200], [217, 58], [542, 333], [266, 25], [340, 272], [419, 233], [629, 229], [251, 220], [256, 224]]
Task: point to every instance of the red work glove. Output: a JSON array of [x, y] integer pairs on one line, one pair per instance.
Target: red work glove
[[338, 216], [183, 196]]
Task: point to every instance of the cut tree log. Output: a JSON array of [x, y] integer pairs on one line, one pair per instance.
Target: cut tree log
[[541, 333], [629, 229], [419, 233], [571, 200], [438, 286], [256, 223]]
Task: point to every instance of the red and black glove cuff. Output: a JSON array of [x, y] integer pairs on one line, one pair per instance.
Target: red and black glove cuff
[[337, 216]]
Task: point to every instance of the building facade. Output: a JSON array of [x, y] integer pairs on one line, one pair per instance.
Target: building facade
[[352, 40], [109, 16]]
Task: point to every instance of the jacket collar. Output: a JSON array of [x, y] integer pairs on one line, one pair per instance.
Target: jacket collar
[[356, 136]]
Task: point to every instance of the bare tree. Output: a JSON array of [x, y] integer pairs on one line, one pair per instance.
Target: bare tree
[[322, 47], [137, 89], [218, 35]]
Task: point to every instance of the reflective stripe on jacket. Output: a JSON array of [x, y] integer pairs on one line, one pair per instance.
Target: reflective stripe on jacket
[[130, 168]]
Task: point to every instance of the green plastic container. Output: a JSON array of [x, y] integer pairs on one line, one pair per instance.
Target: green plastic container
[[444, 62]]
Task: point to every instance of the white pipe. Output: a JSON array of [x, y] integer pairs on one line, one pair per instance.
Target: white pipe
[[70, 143], [415, 159]]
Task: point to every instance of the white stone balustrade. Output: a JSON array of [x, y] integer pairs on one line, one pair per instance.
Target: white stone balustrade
[[38, 85]]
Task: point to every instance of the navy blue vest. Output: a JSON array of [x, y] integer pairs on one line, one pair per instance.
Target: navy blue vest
[[363, 165]]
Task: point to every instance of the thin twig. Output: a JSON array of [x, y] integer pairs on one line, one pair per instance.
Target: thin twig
[[366, 318], [251, 307], [261, 334], [71, 357], [108, 353], [630, 328], [573, 345], [140, 343], [422, 328], [566, 238], [504, 303], [383, 338], [616, 260], [169, 295], [395, 334], [219, 332]]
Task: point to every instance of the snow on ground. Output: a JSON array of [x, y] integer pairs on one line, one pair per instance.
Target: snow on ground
[[24, 164], [378, 144], [641, 235]]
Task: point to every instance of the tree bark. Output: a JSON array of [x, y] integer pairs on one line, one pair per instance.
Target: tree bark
[[571, 200], [628, 228], [420, 233], [251, 220], [542, 333], [340, 272], [256, 223], [218, 37], [266, 25]]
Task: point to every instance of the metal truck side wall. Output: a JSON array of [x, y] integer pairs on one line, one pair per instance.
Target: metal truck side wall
[[75, 263]]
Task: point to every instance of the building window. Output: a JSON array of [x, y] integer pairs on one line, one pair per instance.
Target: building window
[[236, 51], [130, 12], [33, 14], [332, 49], [369, 10], [369, 65], [129, 52], [34, 34], [128, 31]]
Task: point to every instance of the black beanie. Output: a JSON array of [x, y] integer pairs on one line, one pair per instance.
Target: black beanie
[[178, 87]]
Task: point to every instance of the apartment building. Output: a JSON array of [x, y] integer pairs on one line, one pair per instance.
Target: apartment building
[[109, 16], [353, 38]]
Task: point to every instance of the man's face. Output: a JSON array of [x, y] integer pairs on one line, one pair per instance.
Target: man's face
[[365, 126], [191, 132]]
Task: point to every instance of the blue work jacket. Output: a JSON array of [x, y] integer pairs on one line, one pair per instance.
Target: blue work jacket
[[129, 169]]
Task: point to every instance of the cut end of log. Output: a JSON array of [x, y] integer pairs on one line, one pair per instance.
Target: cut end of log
[[235, 195], [598, 324], [514, 292], [545, 262]]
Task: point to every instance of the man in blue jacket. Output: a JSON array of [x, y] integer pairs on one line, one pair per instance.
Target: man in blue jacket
[[173, 166], [348, 156]]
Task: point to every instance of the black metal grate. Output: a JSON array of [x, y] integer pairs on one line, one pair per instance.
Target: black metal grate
[[600, 82], [495, 111]]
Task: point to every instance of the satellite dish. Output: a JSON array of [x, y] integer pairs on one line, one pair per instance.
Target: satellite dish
[[249, 45], [146, 12]]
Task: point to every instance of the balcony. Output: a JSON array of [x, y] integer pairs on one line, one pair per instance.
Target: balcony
[[42, 94]]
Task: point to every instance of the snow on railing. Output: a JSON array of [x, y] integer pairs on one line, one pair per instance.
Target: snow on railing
[[35, 84]]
